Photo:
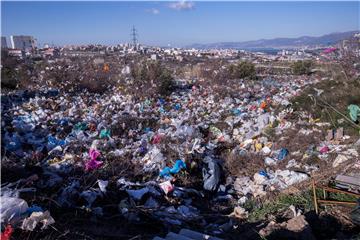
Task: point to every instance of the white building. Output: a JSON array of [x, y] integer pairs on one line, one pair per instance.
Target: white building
[[25, 43], [153, 56]]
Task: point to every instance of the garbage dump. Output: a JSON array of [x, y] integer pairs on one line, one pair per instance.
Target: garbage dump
[[197, 158]]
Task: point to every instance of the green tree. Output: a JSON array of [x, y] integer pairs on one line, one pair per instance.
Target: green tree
[[9, 75], [165, 83], [243, 69], [302, 67]]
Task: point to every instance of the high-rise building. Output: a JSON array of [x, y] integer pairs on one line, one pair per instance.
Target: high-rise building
[[24, 43], [3, 42]]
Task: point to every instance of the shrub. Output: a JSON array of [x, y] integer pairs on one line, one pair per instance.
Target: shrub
[[302, 67], [166, 83], [243, 69], [151, 77], [8, 78]]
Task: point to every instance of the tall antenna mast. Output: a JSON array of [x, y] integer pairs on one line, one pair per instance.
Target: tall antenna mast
[[134, 36]]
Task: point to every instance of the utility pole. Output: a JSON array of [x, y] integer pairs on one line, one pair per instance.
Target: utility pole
[[134, 36]]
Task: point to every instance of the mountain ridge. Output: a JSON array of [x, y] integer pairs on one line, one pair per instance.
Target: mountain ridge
[[283, 42]]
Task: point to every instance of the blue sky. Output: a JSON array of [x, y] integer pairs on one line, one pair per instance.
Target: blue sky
[[174, 23]]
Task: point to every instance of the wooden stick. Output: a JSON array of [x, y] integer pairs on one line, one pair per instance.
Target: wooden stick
[[314, 193], [332, 202], [329, 189], [324, 192]]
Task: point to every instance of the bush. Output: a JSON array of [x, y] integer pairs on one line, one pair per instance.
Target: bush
[[8, 78], [151, 78], [243, 69], [302, 67], [166, 83]]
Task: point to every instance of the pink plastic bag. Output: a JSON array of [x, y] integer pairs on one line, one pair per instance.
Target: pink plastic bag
[[157, 139], [93, 163], [324, 149]]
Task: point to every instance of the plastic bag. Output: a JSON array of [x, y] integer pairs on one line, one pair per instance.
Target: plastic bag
[[166, 172], [354, 112], [31, 222], [105, 133], [12, 207], [211, 174], [283, 153], [93, 163]]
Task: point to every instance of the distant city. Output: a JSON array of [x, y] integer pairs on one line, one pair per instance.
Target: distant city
[[22, 46]]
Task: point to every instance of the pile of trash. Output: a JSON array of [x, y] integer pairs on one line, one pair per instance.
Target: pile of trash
[[159, 158]]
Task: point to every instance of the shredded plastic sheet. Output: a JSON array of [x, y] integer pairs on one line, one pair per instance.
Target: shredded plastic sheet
[[35, 218], [12, 207]]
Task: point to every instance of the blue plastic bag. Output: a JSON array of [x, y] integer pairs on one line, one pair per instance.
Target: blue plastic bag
[[63, 122], [166, 172], [283, 153], [177, 106], [236, 112], [53, 142], [264, 173], [13, 143]]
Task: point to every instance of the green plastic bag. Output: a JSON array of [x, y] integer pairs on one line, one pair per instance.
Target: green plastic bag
[[354, 112], [80, 126], [105, 133]]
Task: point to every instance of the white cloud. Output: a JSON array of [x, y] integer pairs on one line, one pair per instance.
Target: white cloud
[[153, 11], [182, 5]]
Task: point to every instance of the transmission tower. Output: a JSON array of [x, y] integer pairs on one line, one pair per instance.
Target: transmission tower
[[134, 36]]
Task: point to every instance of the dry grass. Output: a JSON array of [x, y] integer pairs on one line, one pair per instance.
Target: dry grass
[[246, 165]]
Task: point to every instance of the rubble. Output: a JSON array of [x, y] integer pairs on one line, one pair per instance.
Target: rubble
[[296, 228]]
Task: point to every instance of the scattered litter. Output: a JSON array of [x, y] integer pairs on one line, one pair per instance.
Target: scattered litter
[[167, 187], [211, 174], [167, 172], [102, 185], [354, 112], [11, 208], [31, 222], [339, 160], [240, 213]]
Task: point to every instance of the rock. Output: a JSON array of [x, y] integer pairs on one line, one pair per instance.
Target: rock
[[297, 224], [295, 228], [339, 159], [240, 213], [271, 227]]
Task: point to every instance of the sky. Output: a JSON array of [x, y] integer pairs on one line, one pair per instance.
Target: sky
[[174, 23]]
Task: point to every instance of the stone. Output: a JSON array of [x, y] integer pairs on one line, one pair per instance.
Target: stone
[[339, 159]]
